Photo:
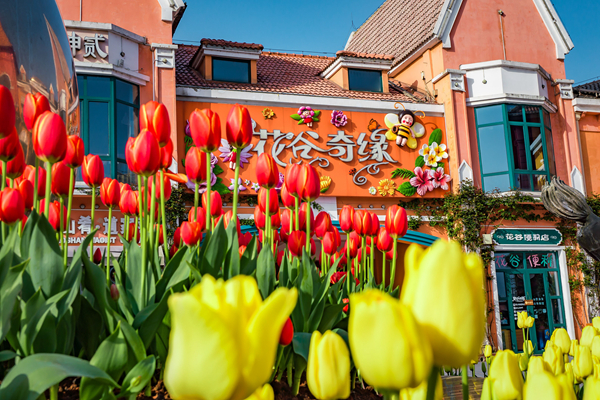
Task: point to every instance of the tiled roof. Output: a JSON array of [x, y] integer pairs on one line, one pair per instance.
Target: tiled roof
[[346, 53], [588, 90], [397, 27], [287, 73], [227, 43]]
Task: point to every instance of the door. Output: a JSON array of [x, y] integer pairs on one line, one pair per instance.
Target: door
[[529, 281]]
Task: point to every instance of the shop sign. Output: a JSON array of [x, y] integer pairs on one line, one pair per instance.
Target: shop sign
[[527, 237], [89, 45]]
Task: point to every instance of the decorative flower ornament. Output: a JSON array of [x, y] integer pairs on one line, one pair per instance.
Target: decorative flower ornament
[[325, 182], [306, 115], [228, 155], [440, 179], [425, 150], [423, 181], [431, 159], [255, 187], [440, 151], [373, 190], [268, 113], [386, 187], [338, 118], [240, 183]]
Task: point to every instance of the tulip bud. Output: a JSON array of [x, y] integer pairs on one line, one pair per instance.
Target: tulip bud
[[308, 183], [239, 127], [560, 337], [287, 199], [227, 217], [354, 243], [61, 177], [33, 106], [596, 323], [322, 224], [384, 241], [128, 203], [110, 192], [155, 118], [535, 364], [347, 218], [566, 387], [145, 153], [166, 155], [216, 203], [267, 174], [587, 336], [114, 292], [328, 368], [305, 212], [25, 187], [50, 137], [396, 221], [582, 363], [9, 146], [296, 242], [542, 385], [574, 343], [362, 222], [29, 175], [205, 128], [12, 206], [191, 232], [133, 232], [329, 243], [92, 170], [506, 376], [591, 388], [7, 111], [273, 200], [553, 358], [16, 166], [97, 256], [420, 392], [245, 239], [195, 165], [54, 214], [291, 179], [287, 333], [487, 352], [75, 152], [264, 392]]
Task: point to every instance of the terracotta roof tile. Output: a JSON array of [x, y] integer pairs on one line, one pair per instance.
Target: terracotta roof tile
[[287, 73], [397, 27], [588, 90], [227, 43], [346, 53]]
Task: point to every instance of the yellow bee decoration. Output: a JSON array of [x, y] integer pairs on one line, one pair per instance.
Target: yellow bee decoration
[[403, 129]]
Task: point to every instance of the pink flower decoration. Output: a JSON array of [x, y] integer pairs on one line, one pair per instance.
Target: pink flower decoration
[[440, 179], [423, 181]]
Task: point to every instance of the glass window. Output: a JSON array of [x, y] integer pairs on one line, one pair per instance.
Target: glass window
[[230, 70], [528, 159], [364, 80], [109, 109]]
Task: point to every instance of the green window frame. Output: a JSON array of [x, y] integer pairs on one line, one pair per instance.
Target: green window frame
[[365, 80], [524, 134], [231, 70], [109, 112]]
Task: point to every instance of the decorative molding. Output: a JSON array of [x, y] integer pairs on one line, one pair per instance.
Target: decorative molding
[[111, 70], [101, 26], [465, 172], [512, 98], [566, 88], [356, 62], [169, 8], [584, 105], [164, 54], [557, 31], [446, 20], [457, 79], [577, 180], [507, 64]]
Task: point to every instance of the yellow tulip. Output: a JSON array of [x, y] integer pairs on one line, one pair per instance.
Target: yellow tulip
[[528, 347], [523, 361], [529, 322], [388, 345], [596, 346], [591, 388], [569, 373], [574, 343], [505, 375], [522, 319], [537, 364], [487, 352], [566, 385], [596, 323], [486, 390], [553, 358], [224, 338], [542, 385], [263, 393], [453, 320], [560, 337], [582, 363], [420, 392], [587, 335], [328, 369]]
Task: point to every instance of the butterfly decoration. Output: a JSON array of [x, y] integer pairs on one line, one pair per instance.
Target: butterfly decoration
[[352, 171], [373, 125]]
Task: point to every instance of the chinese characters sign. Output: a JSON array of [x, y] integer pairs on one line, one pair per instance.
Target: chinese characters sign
[[90, 46], [527, 237]]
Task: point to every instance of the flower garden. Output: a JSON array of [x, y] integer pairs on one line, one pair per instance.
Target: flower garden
[[217, 315]]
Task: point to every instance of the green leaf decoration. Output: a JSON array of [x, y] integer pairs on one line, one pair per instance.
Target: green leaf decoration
[[317, 113], [296, 117], [407, 189], [217, 169], [419, 162], [436, 136], [315, 119], [300, 122], [221, 188], [403, 173]]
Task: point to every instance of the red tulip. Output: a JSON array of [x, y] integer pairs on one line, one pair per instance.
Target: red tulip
[[166, 155], [239, 127], [287, 222], [16, 166], [245, 239], [173, 250], [275, 239], [216, 203], [114, 292], [287, 333], [276, 220], [337, 276], [396, 221], [384, 241], [54, 215], [61, 176], [227, 217], [205, 128], [97, 256], [362, 222], [322, 224], [336, 234], [375, 225], [308, 183], [50, 137], [144, 154], [296, 242], [280, 255], [346, 301], [273, 200], [241, 250], [260, 219], [339, 255], [12, 206], [161, 238], [155, 118], [347, 218], [329, 243], [313, 247], [367, 252], [155, 180], [25, 187], [302, 214], [110, 192], [354, 243], [132, 232], [195, 165], [75, 152], [267, 173], [201, 216], [177, 237], [92, 170], [29, 174], [7, 111], [191, 232], [287, 199], [34, 106], [389, 255], [9, 146], [291, 179], [128, 203], [129, 155]]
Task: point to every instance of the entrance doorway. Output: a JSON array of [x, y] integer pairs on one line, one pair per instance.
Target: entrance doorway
[[529, 281]]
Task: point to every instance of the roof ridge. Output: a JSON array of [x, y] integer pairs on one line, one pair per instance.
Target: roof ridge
[[279, 53]]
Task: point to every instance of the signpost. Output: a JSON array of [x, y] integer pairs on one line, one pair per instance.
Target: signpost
[[527, 237]]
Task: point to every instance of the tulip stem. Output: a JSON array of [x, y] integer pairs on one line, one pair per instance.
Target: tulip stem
[[432, 381], [363, 255], [465, 383], [54, 392], [348, 263], [135, 230], [196, 187], [144, 260], [108, 247], [35, 185], [4, 163], [93, 222], [69, 205], [383, 255], [267, 219], [62, 224], [163, 217], [296, 200], [236, 186], [373, 257], [208, 188], [48, 185], [152, 203], [393, 267], [308, 229]]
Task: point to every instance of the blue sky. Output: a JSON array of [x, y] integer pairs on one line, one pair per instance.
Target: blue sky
[[323, 27]]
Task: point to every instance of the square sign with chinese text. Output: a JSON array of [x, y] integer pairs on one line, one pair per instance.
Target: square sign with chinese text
[[527, 237]]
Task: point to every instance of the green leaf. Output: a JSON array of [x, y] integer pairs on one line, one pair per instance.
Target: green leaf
[[306, 290], [419, 162], [46, 267], [217, 169], [220, 188], [315, 119], [265, 272], [149, 319], [89, 325], [231, 267], [216, 248], [403, 173], [300, 122], [171, 273], [317, 113], [296, 117], [35, 374], [111, 357], [436, 136], [301, 344], [138, 377], [95, 282], [407, 189], [11, 287], [330, 316], [6, 355], [249, 258]]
